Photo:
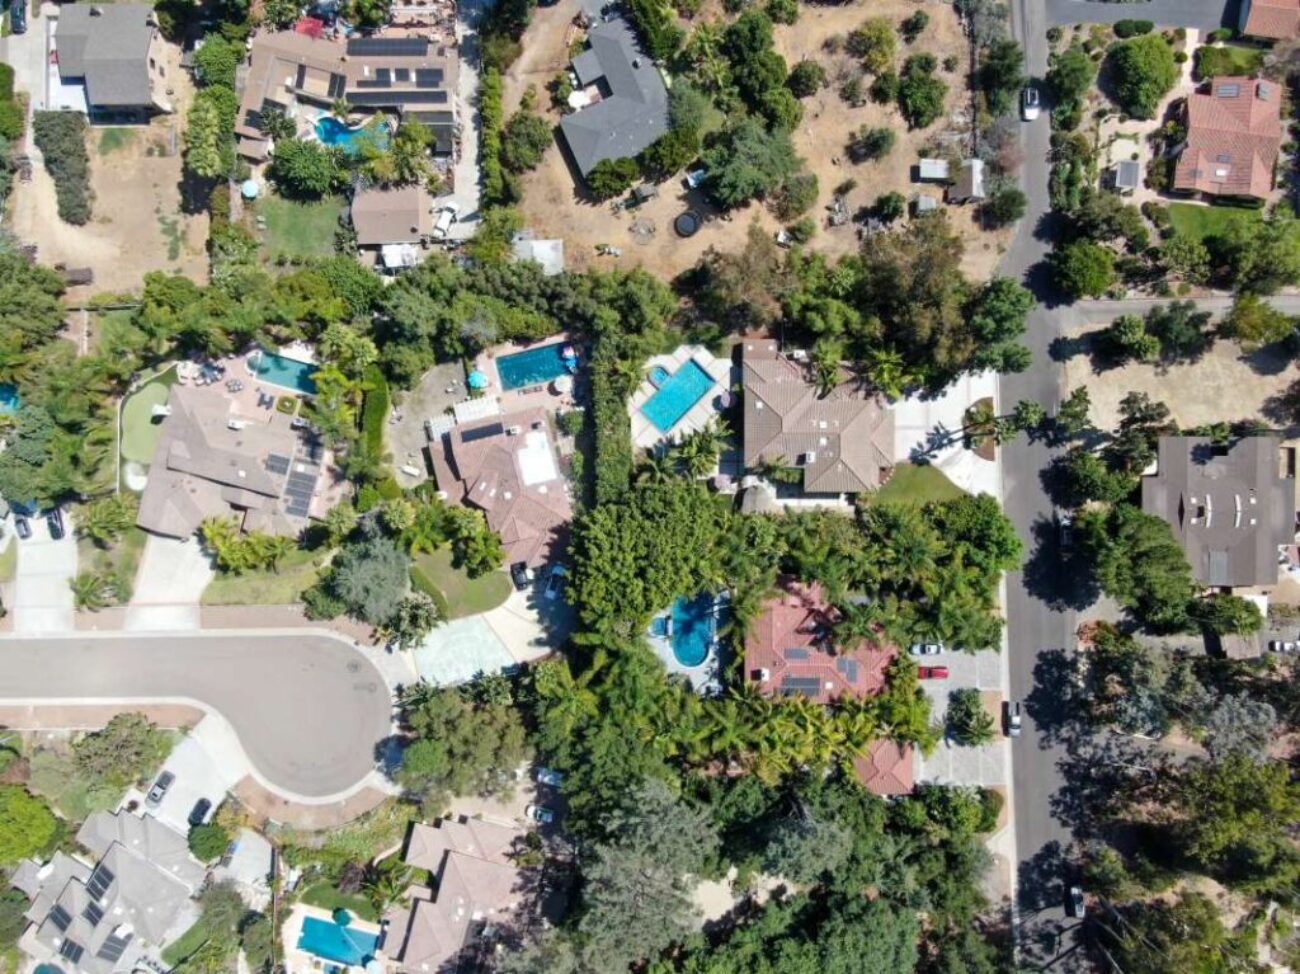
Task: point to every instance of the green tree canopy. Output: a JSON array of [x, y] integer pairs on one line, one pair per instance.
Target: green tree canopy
[[26, 824], [1144, 72]]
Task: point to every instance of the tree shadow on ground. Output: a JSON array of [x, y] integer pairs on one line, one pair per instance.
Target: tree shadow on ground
[[1056, 576], [1057, 704], [1042, 879], [1271, 359]]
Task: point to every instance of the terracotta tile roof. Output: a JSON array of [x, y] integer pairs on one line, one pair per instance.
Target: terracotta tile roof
[[886, 769], [1272, 18], [788, 650], [844, 442], [1234, 135], [507, 467]]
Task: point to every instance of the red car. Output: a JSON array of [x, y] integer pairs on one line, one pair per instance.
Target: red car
[[932, 672]]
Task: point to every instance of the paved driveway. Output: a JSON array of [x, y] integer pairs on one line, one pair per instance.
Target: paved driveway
[[42, 599], [169, 584], [309, 710]]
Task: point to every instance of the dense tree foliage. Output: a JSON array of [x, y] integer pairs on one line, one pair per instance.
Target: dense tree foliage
[[1144, 72], [61, 137], [127, 751], [27, 825], [1139, 564]]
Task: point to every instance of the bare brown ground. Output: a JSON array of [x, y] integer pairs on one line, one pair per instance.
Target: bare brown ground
[[93, 716], [553, 207], [137, 198], [269, 806]]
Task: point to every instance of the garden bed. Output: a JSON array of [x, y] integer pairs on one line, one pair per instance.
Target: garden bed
[[297, 573]]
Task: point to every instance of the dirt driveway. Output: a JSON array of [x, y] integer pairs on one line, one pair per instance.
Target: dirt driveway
[[553, 207]]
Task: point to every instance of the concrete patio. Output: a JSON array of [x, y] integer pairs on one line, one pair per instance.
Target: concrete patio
[[644, 433]]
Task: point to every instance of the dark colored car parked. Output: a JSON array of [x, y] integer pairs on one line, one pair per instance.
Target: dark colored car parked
[[22, 526], [18, 16], [54, 520], [199, 812]]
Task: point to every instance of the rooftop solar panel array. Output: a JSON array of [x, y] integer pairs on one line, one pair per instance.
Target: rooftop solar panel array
[[60, 917], [795, 652], [100, 880], [388, 46], [71, 950], [849, 667], [807, 685], [93, 913], [428, 77], [298, 490], [277, 463], [111, 949], [482, 433], [370, 98]]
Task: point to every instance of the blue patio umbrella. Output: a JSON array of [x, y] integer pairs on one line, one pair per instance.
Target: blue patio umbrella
[[250, 189], [477, 380]]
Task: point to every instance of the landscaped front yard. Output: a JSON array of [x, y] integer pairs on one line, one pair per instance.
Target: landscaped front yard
[[456, 593], [140, 431], [296, 574], [297, 229], [917, 484], [1190, 220], [121, 560]]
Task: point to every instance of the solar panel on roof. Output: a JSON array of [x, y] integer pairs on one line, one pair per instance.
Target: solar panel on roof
[[71, 950], [93, 913], [482, 433], [301, 76], [337, 85], [795, 652], [401, 74], [369, 98], [99, 881], [807, 685], [388, 46], [428, 77], [1229, 91], [60, 917], [112, 947], [1223, 157], [277, 463]]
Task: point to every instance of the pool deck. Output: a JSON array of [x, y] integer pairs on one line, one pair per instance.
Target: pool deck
[[528, 397], [644, 433], [299, 961], [705, 679]]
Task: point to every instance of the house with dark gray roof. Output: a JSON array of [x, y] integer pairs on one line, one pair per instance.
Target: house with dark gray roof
[[1230, 507], [622, 98], [119, 913], [115, 51]]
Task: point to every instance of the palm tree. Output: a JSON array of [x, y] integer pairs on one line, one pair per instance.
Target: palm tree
[[340, 109], [104, 521], [889, 371], [386, 882], [656, 468], [89, 590]]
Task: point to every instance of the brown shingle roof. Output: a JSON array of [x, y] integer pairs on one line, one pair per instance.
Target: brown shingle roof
[[389, 216], [507, 467], [1272, 18], [844, 442], [1234, 135], [789, 652]]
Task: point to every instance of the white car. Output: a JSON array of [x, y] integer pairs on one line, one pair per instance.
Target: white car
[[1029, 105], [925, 649], [1013, 718], [446, 217], [540, 814], [554, 582]]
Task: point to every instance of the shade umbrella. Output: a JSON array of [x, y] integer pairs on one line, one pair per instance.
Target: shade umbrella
[[478, 380]]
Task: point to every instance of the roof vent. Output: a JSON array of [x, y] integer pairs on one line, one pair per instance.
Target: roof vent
[[764, 674]]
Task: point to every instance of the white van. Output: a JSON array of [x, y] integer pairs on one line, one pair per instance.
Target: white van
[[446, 217]]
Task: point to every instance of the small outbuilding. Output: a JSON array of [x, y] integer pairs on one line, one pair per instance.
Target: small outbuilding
[[970, 182], [924, 203], [933, 170], [1125, 176]]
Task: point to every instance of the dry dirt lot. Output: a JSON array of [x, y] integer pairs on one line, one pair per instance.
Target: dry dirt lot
[[1225, 384], [136, 225], [553, 207]]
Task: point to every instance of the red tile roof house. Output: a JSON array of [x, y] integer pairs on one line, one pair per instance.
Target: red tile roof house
[[507, 467], [789, 652], [1234, 136], [1276, 19]]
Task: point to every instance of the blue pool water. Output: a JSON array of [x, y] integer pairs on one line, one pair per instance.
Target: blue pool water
[[8, 397], [287, 373], [47, 969], [333, 132], [535, 367], [679, 392], [658, 376], [692, 629], [341, 944]]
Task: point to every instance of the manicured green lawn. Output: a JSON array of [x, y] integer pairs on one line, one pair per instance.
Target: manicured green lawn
[[297, 573], [298, 229], [463, 596], [1200, 222], [1228, 60], [328, 898], [917, 484], [140, 431]]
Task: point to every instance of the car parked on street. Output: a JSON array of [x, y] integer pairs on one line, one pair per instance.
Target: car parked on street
[[54, 521], [925, 649], [932, 672], [1029, 104], [1075, 904], [22, 526], [159, 789], [540, 814], [1282, 646], [1065, 525], [1013, 718]]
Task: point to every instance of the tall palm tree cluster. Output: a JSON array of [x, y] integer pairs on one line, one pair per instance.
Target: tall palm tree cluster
[[237, 552]]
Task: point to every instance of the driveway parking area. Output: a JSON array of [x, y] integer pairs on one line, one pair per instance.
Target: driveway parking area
[[950, 764], [206, 764], [42, 598], [928, 429]]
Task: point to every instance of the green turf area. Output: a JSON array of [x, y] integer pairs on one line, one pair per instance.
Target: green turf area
[[297, 573], [462, 596], [140, 431], [328, 898], [1200, 222], [9, 560], [55, 775], [298, 229], [122, 559], [917, 484], [1228, 61], [110, 140]]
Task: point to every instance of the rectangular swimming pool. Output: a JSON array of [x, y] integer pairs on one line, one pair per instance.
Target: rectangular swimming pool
[[287, 373], [677, 395], [535, 367], [330, 941]]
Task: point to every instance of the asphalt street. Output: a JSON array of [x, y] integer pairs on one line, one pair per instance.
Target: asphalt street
[[1040, 619], [309, 709]]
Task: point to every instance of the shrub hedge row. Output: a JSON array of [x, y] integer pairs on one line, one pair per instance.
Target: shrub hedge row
[[61, 137], [11, 112], [613, 433], [492, 118]]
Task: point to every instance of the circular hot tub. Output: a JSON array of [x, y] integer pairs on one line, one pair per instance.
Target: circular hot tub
[[687, 223]]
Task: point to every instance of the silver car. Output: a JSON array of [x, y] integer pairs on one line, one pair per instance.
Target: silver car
[[925, 649], [1013, 718], [1029, 105]]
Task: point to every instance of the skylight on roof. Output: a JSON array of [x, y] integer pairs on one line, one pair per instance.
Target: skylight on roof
[[1229, 91]]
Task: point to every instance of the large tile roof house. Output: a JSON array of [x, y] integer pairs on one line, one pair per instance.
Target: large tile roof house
[[1234, 136], [114, 50], [409, 76], [1229, 506], [211, 462], [843, 442], [628, 106], [789, 650], [1277, 19], [132, 903], [474, 886], [507, 466]]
